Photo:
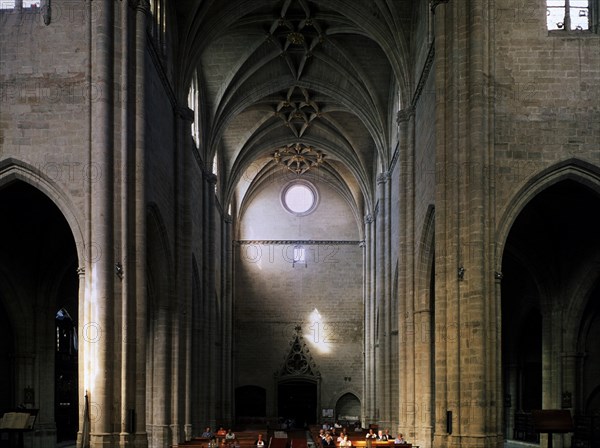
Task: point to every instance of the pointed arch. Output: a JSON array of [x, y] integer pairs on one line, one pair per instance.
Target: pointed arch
[[575, 169], [12, 169]]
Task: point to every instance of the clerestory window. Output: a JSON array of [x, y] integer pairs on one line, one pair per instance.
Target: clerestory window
[[194, 104], [12, 4], [568, 15], [299, 197], [158, 9], [299, 255]]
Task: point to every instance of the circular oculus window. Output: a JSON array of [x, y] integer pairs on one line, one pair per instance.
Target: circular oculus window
[[299, 198]]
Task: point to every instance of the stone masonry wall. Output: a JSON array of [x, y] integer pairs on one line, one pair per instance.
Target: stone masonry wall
[[272, 297], [547, 97], [44, 97]]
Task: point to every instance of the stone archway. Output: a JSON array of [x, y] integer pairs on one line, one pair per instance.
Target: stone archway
[[298, 385], [549, 250], [347, 409], [161, 330], [38, 276], [297, 402]]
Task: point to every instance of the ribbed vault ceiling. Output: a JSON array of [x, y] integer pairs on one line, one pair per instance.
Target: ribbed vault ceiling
[[326, 74]]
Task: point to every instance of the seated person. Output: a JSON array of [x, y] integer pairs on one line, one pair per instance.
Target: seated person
[[385, 436], [340, 437], [260, 443], [207, 434], [345, 441], [399, 440], [371, 437], [221, 434], [230, 436], [328, 441]]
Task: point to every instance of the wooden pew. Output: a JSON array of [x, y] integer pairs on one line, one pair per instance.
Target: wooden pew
[[278, 443], [298, 443], [379, 444]]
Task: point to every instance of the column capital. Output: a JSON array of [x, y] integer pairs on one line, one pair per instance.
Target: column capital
[[405, 114], [227, 218], [211, 178], [369, 219], [184, 113], [435, 3], [382, 178], [81, 271], [141, 5], [47, 12]]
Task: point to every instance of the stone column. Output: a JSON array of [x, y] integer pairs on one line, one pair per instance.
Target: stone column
[[467, 359], [139, 238], [369, 389], [415, 378], [511, 397], [185, 118], [181, 319], [388, 312], [552, 337], [382, 299], [552, 365], [126, 264], [81, 312], [227, 319], [99, 346], [443, 223], [212, 377]]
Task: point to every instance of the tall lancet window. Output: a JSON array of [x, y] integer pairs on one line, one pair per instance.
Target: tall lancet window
[[194, 104]]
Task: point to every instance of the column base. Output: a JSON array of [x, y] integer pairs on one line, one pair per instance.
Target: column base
[[187, 429], [160, 436], [103, 440], [40, 438]]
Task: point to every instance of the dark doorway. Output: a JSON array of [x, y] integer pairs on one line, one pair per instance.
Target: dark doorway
[[250, 402], [38, 276], [551, 243], [297, 401], [6, 354], [66, 376]]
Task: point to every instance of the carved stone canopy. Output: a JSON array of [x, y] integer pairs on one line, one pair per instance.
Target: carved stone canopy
[[299, 360]]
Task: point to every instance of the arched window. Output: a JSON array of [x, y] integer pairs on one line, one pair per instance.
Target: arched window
[[569, 15], [158, 8], [194, 104], [12, 4], [66, 334]]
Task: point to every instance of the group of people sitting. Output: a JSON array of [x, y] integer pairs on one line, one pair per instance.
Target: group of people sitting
[[221, 436], [228, 437], [330, 438], [384, 436]]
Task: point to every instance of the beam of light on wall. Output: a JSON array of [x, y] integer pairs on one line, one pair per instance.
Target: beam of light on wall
[[252, 254], [91, 332], [316, 336]]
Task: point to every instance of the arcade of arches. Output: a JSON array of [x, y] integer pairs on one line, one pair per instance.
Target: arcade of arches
[[250, 212]]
